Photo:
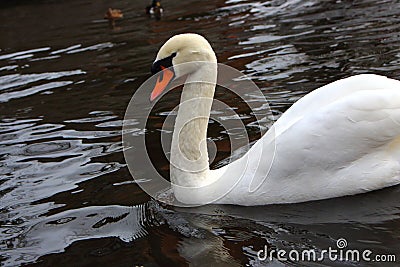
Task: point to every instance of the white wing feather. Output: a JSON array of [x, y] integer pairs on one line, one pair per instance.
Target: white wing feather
[[341, 139]]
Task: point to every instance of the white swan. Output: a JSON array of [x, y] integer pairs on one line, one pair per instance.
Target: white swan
[[341, 139]]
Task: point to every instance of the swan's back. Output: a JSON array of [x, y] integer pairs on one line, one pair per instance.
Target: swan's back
[[332, 92], [341, 139]]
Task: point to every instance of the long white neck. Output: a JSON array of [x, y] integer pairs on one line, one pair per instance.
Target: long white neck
[[192, 180], [189, 155]]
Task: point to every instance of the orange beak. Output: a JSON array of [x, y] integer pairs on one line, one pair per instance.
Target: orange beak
[[164, 78]]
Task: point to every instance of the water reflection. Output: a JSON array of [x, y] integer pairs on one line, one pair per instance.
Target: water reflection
[[207, 231], [65, 81]]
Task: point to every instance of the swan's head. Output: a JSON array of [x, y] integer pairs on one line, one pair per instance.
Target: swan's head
[[172, 56]]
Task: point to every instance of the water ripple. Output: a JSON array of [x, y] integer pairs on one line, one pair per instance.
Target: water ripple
[[15, 80], [63, 94], [52, 234], [17, 55]]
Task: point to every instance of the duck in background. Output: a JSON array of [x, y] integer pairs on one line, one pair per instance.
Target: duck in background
[[112, 15], [155, 9]]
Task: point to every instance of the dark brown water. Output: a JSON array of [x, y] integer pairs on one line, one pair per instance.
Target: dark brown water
[[66, 77]]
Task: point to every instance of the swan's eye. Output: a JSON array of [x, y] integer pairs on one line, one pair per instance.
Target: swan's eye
[[165, 63]]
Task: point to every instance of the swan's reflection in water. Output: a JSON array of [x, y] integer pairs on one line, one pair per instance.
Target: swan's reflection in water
[[224, 234], [360, 219], [370, 208]]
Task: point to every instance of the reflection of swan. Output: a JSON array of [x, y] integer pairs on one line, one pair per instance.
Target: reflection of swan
[[293, 226], [341, 139], [374, 207]]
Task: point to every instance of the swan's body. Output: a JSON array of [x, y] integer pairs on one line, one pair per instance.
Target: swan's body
[[341, 139]]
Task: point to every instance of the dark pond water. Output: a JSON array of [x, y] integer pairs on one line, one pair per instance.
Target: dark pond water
[[66, 78]]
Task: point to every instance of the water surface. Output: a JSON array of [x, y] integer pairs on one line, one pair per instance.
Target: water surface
[[66, 78]]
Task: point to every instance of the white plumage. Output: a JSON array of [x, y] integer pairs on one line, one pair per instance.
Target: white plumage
[[341, 139]]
